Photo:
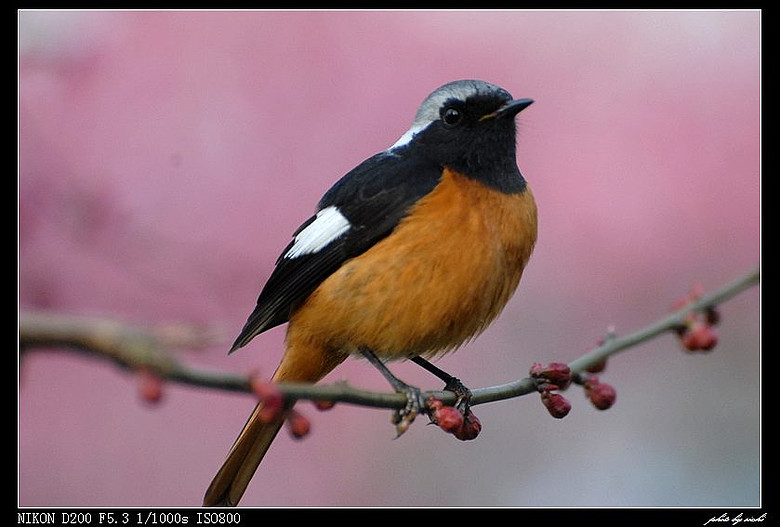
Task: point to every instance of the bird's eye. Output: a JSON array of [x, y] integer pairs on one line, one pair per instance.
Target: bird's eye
[[451, 116]]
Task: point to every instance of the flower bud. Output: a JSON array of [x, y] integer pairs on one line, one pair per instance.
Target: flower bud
[[298, 425], [602, 395], [706, 337], [697, 290], [555, 373], [324, 405], [699, 336], [448, 418], [272, 398], [149, 386], [470, 428], [556, 404]]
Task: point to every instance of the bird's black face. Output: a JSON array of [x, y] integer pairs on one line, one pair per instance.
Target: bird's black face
[[468, 126], [470, 130]]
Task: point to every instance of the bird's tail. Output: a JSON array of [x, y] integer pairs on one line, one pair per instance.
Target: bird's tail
[[299, 364], [242, 461]]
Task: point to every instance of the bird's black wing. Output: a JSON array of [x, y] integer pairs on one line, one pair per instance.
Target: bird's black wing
[[373, 198]]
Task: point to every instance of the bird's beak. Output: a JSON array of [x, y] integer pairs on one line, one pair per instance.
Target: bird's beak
[[510, 109]]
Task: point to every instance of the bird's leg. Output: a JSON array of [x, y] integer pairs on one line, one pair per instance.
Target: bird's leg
[[403, 417], [451, 384]]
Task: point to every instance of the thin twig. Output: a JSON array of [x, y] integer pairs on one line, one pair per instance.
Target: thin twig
[[134, 349]]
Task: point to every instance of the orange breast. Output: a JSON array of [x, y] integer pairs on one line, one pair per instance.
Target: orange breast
[[440, 278]]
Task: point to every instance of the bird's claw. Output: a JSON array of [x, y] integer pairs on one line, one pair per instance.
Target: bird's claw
[[462, 393], [404, 417]]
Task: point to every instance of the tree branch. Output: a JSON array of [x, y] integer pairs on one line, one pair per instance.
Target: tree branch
[[150, 350]]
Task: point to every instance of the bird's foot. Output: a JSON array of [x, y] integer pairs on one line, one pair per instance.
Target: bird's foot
[[462, 394], [402, 418]]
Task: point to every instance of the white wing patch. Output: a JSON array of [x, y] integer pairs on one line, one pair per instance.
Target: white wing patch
[[329, 224]]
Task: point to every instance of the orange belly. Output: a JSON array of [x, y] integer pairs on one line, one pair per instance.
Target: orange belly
[[439, 279]]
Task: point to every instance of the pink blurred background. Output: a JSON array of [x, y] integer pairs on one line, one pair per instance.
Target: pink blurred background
[[165, 158]]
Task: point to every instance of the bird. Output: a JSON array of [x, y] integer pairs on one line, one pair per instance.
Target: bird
[[408, 256]]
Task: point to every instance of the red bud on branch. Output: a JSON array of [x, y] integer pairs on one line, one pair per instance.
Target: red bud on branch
[[470, 429], [453, 421], [697, 333], [298, 425], [149, 386], [556, 404], [557, 374], [602, 395], [448, 418], [272, 398], [324, 405]]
